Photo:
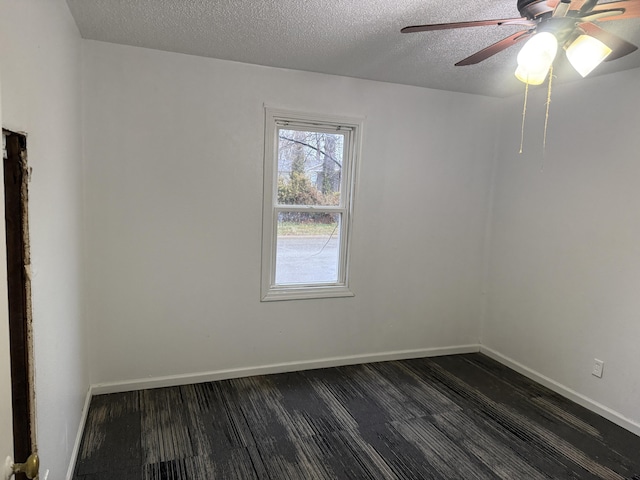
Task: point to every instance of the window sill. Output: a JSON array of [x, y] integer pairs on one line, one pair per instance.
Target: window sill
[[302, 293]]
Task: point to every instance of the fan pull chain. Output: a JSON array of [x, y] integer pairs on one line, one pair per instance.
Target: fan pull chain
[[524, 113], [546, 118]]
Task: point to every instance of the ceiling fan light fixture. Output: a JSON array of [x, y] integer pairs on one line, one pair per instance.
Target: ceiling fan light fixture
[[531, 77], [586, 52], [536, 57]]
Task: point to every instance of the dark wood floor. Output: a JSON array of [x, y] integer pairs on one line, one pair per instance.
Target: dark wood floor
[[453, 417]]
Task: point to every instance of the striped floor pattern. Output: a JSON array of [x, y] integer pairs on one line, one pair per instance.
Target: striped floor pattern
[[452, 417]]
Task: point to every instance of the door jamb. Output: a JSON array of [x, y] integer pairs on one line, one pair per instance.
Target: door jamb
[[16, 178]]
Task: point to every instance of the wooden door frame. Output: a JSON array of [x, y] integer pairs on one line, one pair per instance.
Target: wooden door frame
[[16, 178]]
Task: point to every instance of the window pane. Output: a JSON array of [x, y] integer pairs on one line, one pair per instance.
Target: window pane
[[307, 248], [309, 167]]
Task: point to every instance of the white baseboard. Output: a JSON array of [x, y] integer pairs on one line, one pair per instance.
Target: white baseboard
[[76, 445], [557, 387], [186, 379]]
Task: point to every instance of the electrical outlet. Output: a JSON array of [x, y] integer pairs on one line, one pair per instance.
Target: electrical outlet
[[598, 366]]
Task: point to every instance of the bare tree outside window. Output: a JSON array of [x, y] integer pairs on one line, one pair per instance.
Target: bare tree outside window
[[309, 173], [308, 191]]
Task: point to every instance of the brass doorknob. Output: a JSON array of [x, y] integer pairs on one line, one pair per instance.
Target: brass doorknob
[[29, 468]]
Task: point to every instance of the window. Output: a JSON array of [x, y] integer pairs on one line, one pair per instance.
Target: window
[[309, 169]]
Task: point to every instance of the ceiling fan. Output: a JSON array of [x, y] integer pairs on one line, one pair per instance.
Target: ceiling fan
[[551, 24]]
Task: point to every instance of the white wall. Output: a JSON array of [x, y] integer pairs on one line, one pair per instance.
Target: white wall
[[174, 152], [565, 256], [40, 69]]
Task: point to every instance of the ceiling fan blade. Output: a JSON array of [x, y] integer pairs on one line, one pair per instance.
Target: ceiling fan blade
[[619, 46], [495, 48], [477, 23], [631, 9]]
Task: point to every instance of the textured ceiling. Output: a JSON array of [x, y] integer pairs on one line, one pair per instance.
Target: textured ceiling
[[341, 37]]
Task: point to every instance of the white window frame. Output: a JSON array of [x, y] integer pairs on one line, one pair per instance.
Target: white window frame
[[275, 119]]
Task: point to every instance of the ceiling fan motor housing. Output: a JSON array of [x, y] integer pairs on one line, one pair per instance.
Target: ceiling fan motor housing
[[533, 8]]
